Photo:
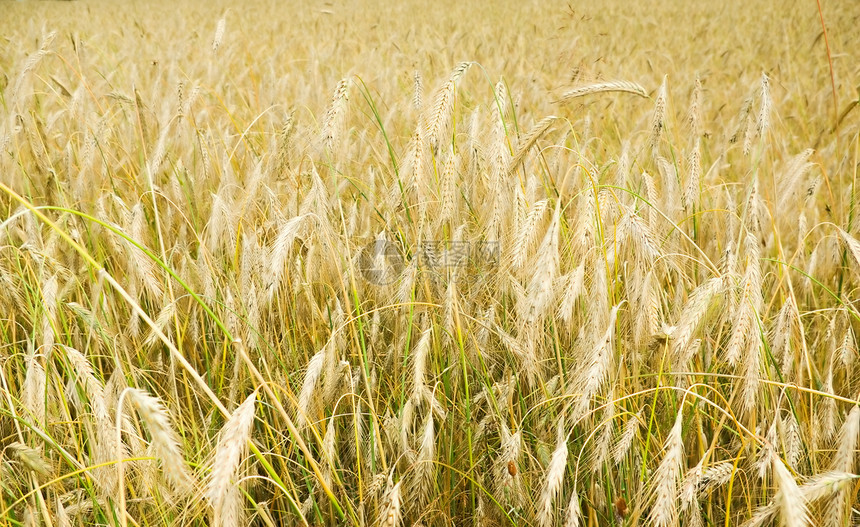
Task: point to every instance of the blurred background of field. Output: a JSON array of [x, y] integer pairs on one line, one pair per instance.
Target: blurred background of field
[[293, 54], [222, 139]]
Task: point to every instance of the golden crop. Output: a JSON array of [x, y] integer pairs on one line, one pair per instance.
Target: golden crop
[[402, 263]]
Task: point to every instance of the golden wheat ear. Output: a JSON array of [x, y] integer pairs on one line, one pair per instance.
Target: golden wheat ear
[[603, 87], [221, 487], [390, 513], [553, 479], [664, 512], [165, 442]]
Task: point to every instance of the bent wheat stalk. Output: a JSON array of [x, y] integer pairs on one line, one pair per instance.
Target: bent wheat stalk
[[603, 87]]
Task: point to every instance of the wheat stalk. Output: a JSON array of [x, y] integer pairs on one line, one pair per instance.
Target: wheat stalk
[[665, 487], [844, 461], [694, 165], [763, 122], [540, 288], [596, 370], [659, 116], [526, 233], [165, 442], [507, 468], [332, 122], [390, 514], [529, 140], [553, 478], [220, 27], [231, 448], [625, 441], [789, 499], [425, 462], [573, 516], [601, 87], [420, 390], [694, 116]]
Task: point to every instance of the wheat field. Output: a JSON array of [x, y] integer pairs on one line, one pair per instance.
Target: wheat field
[[429, 264]]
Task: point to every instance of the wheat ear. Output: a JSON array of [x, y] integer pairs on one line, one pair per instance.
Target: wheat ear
[[602, 87], [232, 447], [658, 119], [333, 119], [789, 499], [165, 442], [553, 479], [529, 140], [844, 461], [665, 511], [390, 513]]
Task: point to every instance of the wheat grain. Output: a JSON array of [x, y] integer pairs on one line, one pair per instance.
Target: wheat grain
[[844, 461], [690, 486], [601, 448], [30, 64], [280, 251], [448, 185], [787, 324], [716, 475], [33, 391], [693, 314], [507, 475], [826, 484]]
